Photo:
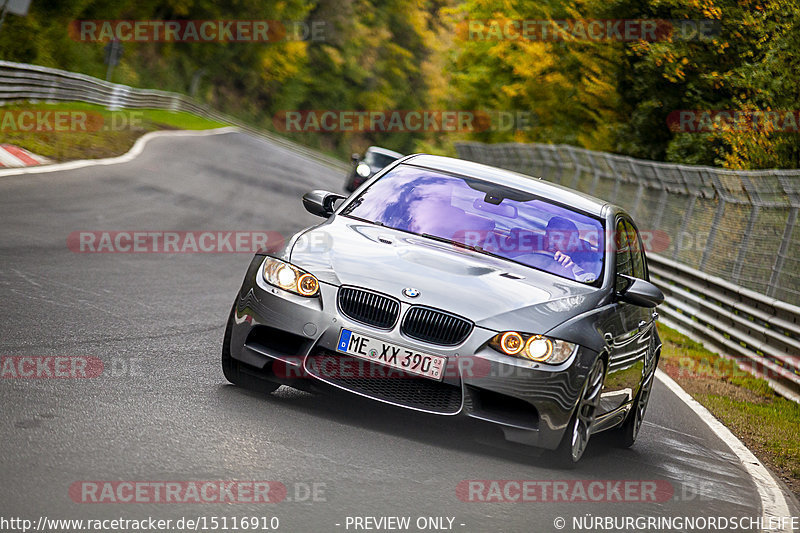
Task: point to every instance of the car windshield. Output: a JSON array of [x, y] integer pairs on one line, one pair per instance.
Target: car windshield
[[377, 161], [487, 218]]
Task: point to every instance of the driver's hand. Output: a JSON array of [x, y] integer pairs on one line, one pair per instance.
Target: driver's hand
[[577, 272], [564, 259]]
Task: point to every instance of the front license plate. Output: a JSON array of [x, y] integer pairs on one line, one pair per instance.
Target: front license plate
[[391, 355]]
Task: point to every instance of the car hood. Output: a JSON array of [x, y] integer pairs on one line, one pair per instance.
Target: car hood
[[494, 293]]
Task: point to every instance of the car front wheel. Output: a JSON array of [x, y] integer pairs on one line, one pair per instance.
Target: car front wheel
[[576, 438], [231, 368]]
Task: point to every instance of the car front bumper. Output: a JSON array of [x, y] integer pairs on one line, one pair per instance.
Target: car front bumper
[[292, 340]]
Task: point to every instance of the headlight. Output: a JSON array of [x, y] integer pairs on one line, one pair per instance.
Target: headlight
[[511, 342], [539, 348], [289, 277], [363, 170], [533, 347]]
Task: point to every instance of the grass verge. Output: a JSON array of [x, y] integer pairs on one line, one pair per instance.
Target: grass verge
[[767, 423], [73, 130]]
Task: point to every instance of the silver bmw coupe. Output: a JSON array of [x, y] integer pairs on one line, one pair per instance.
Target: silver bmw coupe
[[459, 289]]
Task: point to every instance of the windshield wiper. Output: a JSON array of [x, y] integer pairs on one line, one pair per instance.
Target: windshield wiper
[[373, 222], [474, 248]]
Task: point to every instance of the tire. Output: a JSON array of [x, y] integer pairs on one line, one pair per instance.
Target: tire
[[626, 434], [231, 368], [576, 438]]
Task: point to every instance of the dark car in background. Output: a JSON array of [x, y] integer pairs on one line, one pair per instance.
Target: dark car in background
[[375, 159], [455, 288]]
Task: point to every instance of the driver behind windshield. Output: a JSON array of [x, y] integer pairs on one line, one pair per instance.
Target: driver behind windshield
[[564, 245], [452, 208]]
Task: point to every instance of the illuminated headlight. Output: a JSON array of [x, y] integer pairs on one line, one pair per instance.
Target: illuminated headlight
[[289, 277], [511, 342], [533, 347], [363, 170]]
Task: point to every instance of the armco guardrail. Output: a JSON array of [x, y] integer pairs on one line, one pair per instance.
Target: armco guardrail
[[762, 334], [21, 82], [731, 270]]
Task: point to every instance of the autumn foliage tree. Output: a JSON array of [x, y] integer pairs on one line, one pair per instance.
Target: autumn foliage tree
[[603, 94]]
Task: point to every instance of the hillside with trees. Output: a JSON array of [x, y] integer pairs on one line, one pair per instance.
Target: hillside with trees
[[613, 95]]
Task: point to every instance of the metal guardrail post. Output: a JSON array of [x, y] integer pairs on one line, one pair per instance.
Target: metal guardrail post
[[687, 216], [755, 207], [578, 167], [616, 175], [791, 189], [662, 198], [559, 162], [544, 165], [718, 214], [529, 161], [595, 177], [780, 257], [638, 200], [634, 206]]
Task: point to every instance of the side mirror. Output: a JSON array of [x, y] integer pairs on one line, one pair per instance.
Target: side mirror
[[355, 158], [640, 292], [320, 203]]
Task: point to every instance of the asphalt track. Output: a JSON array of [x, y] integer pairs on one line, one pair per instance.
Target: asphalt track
[[162, 411]]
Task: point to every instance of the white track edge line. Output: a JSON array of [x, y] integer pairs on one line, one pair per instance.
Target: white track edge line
[[131, 154], [773, 501]]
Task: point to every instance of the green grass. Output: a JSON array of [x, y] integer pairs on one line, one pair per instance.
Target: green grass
[[696, 361], [772, 426], [768, 423], [97, 132], [180, 120]]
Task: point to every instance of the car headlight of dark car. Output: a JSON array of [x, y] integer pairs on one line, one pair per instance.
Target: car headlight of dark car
[[533, 347], [289, 278], [363, 170]]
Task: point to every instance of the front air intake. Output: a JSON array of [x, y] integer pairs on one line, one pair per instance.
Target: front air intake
[[434, 326], [368, 307]]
